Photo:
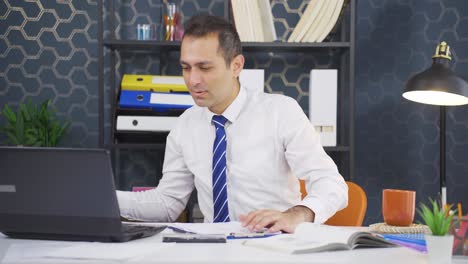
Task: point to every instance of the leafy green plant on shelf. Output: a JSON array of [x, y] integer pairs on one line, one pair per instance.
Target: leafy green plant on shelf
[[437, 218], [33, 125]]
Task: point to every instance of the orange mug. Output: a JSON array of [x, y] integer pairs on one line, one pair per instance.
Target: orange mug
[[398, 207]]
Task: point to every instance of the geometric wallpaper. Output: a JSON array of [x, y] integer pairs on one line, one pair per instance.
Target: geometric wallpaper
[[49, 49], [397, 141]]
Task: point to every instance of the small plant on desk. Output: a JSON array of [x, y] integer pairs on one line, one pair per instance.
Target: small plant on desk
[[439, 220]]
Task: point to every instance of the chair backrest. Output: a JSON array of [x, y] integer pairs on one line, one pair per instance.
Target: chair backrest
[[353, 214]]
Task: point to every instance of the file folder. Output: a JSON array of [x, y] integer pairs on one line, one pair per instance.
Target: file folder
[[146, 123], [154, 83], [323, 87], [159, 102]]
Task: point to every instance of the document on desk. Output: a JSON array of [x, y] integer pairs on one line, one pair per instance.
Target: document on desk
[[202, 228], [107, 251], [310, 238]]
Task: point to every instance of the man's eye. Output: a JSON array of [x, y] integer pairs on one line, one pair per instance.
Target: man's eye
[[205, 68]]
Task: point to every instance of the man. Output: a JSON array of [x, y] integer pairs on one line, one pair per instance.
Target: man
[[243, 151]]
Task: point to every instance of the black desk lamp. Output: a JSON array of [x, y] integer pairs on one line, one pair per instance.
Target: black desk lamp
[[438, 85]]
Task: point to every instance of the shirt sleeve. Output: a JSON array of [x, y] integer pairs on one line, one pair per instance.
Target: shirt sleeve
[[169, 198], [327, 191]]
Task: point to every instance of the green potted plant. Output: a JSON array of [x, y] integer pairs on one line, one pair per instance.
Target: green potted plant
[[33, 125], [439, 219]]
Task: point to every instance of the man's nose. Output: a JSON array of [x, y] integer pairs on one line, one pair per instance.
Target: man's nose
[[194, 78]]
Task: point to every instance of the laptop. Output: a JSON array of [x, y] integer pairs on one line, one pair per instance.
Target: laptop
[[62, 194]]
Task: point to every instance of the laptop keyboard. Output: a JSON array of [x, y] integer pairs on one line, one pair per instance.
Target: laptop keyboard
[[130, 229]]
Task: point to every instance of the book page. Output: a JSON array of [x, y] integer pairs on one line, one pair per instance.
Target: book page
[[322, 20], [332, 22], [266, 16], [289, 243], [256, 21], [323, 233], [249, 19], [368, 240], [307, 20], [236, 12]]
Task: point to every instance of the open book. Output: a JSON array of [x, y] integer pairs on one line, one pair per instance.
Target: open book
[[310, 238]]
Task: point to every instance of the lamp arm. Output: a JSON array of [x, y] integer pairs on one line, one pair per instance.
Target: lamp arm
[[442, 127]]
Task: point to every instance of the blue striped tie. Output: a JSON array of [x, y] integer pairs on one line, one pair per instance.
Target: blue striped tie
[[220, 199]]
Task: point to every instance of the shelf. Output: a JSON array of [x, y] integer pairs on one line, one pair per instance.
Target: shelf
[[152, 45]]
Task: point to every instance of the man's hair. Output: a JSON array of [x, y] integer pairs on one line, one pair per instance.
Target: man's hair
[[203, 25]]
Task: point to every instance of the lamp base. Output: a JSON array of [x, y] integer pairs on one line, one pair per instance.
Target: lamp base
[[444, 196]]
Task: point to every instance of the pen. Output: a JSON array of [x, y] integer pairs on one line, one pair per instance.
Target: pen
[[249, 235]]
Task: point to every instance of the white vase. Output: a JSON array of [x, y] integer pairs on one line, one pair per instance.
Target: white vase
[[439, 248]]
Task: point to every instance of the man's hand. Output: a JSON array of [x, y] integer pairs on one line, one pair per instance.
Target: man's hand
[[277, 221]]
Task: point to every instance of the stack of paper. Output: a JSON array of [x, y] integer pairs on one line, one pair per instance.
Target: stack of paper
[[254, 20], [318, 20]]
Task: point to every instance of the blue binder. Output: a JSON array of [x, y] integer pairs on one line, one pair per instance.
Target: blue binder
[[159, 102]]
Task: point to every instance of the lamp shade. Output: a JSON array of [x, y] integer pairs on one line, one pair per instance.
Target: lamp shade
[[437, 85]]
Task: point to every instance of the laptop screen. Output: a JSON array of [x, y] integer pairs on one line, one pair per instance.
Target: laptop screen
[[57, 191]]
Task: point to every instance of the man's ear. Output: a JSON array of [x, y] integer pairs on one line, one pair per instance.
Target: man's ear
[[237, 64]]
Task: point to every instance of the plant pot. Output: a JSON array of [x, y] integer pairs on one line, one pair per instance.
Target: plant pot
[[439, 248]]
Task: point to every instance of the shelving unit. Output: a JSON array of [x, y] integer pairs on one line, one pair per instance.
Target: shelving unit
[[145, 45], [343, 48]]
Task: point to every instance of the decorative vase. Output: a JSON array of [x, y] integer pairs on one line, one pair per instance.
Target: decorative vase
[[439, 248]]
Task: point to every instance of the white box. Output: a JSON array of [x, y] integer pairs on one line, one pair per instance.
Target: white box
[[253, 79], [323, 87]]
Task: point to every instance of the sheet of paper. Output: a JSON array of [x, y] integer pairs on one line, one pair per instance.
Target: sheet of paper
[[212, 228], [204, 228], [107, 251]]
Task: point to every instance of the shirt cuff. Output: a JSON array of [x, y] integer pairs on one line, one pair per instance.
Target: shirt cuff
[[321, 212], [126, 203]]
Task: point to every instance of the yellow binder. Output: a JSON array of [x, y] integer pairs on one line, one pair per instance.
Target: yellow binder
[[155, 83]]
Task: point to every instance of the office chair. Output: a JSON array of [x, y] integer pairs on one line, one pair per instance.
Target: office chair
[[354, 213]]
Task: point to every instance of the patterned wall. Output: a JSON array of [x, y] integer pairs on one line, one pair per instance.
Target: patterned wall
[[48, 49], [397, 144]]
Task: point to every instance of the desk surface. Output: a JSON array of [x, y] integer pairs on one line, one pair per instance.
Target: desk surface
[[30, 251]]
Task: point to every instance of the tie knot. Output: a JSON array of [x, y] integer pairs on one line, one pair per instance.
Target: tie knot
[[219, 120]]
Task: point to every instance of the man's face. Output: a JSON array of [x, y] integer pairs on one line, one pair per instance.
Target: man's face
[[211, 82]]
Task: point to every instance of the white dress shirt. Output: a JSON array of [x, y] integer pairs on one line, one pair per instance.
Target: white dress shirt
[[270, 144]]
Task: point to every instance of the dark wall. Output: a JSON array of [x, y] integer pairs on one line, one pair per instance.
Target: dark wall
[[49, 49], [397, 142]]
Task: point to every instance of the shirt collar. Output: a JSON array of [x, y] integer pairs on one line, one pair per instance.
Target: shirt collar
[[233, 110]]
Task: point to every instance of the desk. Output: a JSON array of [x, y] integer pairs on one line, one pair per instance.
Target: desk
[[231, 252]]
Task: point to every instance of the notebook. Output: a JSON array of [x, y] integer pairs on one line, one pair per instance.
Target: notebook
[[61, 194], [310, 238]]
